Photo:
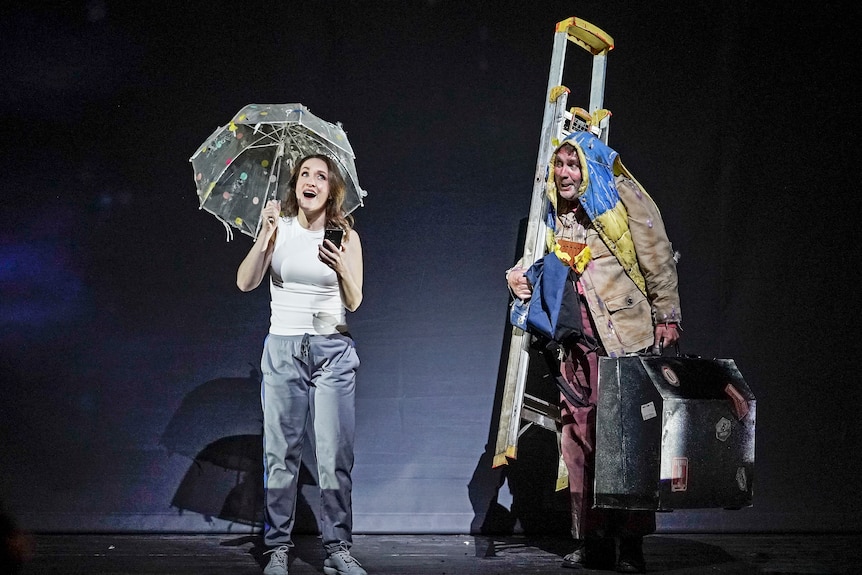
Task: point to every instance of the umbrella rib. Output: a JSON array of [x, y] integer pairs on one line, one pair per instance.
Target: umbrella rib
[[269, 138], [322, 143]]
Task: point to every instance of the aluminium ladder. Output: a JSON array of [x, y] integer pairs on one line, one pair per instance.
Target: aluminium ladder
[[517, 405]]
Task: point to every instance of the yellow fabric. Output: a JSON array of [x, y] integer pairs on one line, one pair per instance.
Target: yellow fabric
[[577, 261], [614, 230]]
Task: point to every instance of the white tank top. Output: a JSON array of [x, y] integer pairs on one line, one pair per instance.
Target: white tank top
[[304, 290]]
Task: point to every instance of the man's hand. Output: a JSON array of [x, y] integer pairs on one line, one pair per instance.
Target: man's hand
[[518, 283], [666, 335]]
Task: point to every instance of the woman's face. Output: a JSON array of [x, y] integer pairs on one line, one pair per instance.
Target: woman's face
[[312, 185], [567, 173]]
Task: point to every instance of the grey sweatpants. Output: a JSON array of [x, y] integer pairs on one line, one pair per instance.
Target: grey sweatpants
[[308, 376]]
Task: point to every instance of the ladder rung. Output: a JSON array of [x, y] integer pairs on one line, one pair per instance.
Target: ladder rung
[[540, 412], [538, 419]]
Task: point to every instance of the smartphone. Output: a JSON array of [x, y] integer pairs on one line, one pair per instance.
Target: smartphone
[[334, 235]]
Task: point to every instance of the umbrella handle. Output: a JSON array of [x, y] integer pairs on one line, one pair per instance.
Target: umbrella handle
[[273, 194]]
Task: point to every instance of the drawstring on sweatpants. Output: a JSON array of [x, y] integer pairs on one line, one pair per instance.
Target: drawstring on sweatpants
[[304, 349]]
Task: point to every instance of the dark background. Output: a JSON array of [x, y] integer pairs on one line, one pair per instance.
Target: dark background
[[129, 392]]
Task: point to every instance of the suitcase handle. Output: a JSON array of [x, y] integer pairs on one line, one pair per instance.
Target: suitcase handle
[[659, 349]]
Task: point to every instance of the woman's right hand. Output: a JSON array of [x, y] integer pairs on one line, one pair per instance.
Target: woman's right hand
[[271, 213], [269, 221], [518, 283], [253, 268]]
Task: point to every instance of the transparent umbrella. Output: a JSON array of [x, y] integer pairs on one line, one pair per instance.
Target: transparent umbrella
[[249, 161]]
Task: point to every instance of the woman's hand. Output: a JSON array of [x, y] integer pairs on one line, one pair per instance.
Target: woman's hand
[[346, 261], [332, 255], [269, 222], [253, 268], [518, 283]]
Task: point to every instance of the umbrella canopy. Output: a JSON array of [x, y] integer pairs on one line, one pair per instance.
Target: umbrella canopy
[[247, 162]]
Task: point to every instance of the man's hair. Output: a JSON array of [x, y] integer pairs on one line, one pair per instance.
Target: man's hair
[[571, 147]]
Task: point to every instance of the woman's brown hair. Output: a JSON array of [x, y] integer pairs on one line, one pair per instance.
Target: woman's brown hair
[[335, 217]]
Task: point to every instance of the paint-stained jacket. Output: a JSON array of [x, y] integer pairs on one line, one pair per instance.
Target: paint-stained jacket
[[630, 282]]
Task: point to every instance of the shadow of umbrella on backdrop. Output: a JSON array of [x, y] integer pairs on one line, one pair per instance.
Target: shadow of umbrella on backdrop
[[249, 161], [218, 426]]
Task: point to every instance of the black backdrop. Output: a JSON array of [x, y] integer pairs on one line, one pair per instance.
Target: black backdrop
[[129, 390]]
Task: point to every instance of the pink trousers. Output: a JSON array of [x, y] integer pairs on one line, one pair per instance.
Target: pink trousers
[[579, 369]]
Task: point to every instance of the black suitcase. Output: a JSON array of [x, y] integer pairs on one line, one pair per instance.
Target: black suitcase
[[673, 433]]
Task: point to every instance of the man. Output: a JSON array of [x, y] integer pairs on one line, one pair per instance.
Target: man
[[610, 231]]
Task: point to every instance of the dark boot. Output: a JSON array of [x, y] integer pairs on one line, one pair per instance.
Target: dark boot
[[631, 556], [577, 558], [592, 553]]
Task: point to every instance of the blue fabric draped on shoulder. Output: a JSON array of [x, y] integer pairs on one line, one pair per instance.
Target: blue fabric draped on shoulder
[[600, 199], [600, 194]]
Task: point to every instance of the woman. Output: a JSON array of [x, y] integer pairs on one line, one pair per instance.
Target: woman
[[309, 361]]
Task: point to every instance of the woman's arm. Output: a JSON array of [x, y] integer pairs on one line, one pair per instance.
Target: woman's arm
[[347, 263], [253, 268]]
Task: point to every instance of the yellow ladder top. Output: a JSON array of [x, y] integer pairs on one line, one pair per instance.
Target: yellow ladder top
[[588, 36]]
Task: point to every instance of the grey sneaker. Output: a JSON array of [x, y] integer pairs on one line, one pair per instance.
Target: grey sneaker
[[340, 562], [277, 561]]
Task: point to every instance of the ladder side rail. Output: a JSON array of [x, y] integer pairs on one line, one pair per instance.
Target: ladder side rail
[[551, 127], [518, 359], [597, 90]]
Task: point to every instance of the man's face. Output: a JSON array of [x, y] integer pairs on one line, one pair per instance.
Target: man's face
[[567, 173]]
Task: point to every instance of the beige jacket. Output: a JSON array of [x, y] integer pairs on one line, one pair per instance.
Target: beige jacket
[[624, 318]]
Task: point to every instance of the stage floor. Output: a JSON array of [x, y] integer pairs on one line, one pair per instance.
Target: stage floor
[[441, 554]]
